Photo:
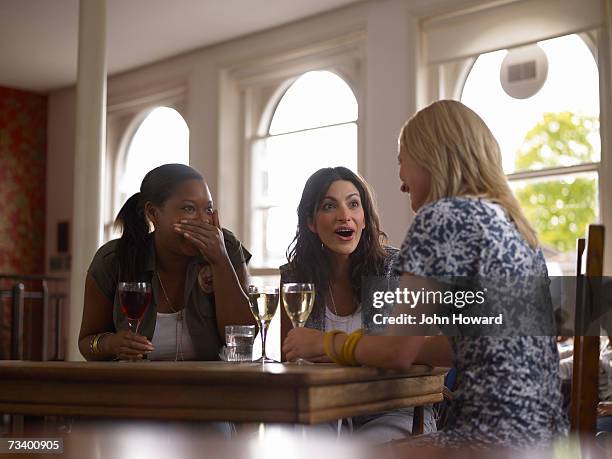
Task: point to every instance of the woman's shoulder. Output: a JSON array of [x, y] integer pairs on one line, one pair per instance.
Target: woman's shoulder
[[107, 252], [230, 237], [104, 268], [466, 219], [457, 215], [237, 252], [455, 206], [391, 254], [390, 251], [446, 216]]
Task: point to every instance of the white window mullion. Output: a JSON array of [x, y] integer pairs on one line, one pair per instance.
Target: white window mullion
[[554, 172]]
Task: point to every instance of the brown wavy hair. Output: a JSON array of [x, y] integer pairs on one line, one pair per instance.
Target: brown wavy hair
[[308, 258]]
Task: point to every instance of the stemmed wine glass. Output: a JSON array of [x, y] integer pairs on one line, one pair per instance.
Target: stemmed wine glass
[[298, 300], [263, 302], [135, 298]]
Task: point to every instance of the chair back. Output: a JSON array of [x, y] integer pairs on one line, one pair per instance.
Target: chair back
[[584, 395]]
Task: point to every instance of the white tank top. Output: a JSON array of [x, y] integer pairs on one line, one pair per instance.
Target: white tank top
[[165, 339], [347, 324]]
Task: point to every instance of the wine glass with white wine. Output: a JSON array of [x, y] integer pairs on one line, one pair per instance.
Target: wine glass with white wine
[[298, 300], [263, 302]]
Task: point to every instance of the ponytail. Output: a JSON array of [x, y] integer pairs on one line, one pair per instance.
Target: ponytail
[[132, 248], [156, 187]]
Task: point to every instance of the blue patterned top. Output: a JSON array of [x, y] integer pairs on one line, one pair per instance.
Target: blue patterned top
[[508, 388]]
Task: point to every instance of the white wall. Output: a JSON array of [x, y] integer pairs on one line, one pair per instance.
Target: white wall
[[390, 99], [60, 158]]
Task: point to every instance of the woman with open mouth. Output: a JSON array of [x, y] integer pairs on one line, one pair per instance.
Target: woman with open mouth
[[338, 243]]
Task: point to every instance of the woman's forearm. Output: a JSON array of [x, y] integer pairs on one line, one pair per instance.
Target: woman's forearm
[[104, 352], [435, 351], [231, 302], [391, 352]]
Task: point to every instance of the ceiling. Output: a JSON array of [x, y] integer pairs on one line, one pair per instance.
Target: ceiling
[[38, 38]]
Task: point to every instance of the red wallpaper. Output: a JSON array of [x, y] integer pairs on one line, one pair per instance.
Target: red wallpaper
[[23, 138]]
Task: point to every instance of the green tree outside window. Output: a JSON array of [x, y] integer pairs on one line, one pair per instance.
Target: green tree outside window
[[561, 207]]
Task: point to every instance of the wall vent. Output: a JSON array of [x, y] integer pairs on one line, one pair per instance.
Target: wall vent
[[521, 71]]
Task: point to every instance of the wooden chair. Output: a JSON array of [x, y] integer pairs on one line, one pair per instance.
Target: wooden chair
[[443, 408], [584, 395]]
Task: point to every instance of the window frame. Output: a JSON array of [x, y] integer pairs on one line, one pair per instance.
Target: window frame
[[590, 41], [255, 89], [124, 117], [263, 132], [442, 79], [559, 171]]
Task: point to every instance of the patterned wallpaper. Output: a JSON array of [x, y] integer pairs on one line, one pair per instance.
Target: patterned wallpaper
[[23, 138]]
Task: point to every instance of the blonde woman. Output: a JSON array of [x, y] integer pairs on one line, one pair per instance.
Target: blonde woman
[[468, 223]]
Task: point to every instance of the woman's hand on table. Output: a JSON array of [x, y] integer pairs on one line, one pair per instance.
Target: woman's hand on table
[[126, 345], [306, 343]]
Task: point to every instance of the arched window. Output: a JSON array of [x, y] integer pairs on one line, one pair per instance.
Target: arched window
[[550, 140], [314, 125], [162, 137]]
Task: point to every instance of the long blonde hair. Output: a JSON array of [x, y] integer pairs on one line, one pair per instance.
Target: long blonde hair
[[457, 148]]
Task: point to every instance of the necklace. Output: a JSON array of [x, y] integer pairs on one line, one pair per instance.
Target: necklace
[[346, 323], [179, 320], [331, 296]]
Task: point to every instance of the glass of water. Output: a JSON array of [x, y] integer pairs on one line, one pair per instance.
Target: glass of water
[[239, 342]]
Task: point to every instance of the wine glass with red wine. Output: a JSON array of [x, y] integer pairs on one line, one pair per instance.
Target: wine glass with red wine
[[135, 298]]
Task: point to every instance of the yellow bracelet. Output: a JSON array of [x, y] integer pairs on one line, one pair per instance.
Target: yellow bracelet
[[345, 349], [358, 336], [328, 345], [349, 347], [349, 350], [102, 336], [91, 344], [95, 342], [94, 345]]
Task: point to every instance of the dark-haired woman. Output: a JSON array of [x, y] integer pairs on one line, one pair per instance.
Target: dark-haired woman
[[338, 244], [196, 269]]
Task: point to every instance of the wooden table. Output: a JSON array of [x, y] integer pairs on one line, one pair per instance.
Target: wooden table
[[211, 391]]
